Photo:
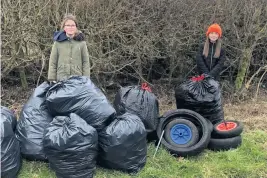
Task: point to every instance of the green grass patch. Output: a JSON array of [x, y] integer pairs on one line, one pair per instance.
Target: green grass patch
[[247, 161]]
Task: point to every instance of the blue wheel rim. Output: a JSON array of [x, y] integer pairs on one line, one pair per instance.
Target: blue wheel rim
[[181, 134]]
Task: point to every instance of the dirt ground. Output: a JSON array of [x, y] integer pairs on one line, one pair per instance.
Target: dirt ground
[[252, 113]]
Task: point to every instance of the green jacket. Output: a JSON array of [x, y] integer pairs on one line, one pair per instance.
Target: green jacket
[[68, 57]]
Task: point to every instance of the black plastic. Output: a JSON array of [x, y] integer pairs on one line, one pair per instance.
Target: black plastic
[[33, 119], [10, 148], [203, 97], [144, 104], [9, 115], [71, 146], [122, 145], [79, 95]]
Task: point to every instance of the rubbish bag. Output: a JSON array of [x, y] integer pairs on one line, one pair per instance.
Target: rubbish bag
[[139, 101], [34, 118], [9, 115], [201, 94], [71, 146], [122, 145], [79, 95], [10, 148]]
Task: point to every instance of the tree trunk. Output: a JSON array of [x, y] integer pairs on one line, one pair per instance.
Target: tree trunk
[[243, 68], [22, 75], [23, 79]]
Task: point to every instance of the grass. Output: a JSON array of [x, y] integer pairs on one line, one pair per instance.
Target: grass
[[247, 161]]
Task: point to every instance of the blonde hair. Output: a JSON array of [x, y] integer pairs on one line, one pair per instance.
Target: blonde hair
[[68, 17], [217, 49]]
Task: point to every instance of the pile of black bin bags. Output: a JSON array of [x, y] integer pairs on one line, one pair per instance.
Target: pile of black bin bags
[[201, 94], [71, 146], [33, 120], [80, 96], [72, 125], [117, 139], [10, 149], [141, 102]]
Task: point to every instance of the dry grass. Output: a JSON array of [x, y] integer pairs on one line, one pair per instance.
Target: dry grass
[[253, 114]]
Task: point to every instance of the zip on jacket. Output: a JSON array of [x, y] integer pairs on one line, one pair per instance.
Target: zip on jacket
[[211, 56]]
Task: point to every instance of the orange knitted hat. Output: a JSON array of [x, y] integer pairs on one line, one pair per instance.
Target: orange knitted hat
[[214, 28]]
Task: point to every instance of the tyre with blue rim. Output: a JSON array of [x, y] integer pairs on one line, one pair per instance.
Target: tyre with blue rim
[[181, 133], [201, 124]]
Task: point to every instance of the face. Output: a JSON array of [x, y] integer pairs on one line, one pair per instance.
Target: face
[[213, 36], [70, 27]]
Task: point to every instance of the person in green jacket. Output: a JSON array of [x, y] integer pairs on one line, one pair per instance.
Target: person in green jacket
[[69, 55]]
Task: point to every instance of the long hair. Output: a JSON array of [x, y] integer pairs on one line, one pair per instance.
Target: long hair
[[217, 49]]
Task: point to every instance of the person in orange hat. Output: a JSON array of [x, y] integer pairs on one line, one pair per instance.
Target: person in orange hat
[[210, 57]]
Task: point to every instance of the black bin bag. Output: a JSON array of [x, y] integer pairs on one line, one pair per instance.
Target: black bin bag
[[79, 95], [71, 146], [139, 101], [122, 145], [201, 94], [10, 148], [34, 118]]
